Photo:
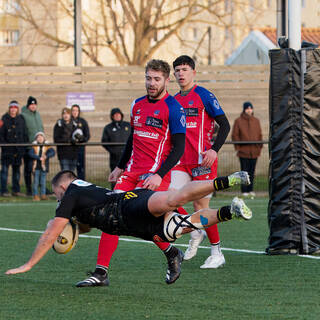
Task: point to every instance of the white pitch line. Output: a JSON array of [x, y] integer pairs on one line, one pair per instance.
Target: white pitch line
[[150, 242]]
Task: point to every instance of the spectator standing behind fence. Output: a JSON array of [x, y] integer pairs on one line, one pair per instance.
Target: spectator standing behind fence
[[12, 130], [34, 124], [64, 131], [40, 153], [247, 128], [84, 134], [116, 131]]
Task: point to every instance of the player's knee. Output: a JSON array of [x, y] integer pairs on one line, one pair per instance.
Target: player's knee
[[175, 225]]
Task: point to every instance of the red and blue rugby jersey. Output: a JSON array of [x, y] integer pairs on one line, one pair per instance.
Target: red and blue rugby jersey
[[201, 107], [153, 124]]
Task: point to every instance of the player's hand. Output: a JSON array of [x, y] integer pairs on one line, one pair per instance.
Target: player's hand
[[21, 269], [209, 158], [152, 182], [115, 174]]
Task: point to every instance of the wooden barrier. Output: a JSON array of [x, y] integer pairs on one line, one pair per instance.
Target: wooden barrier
[[119, 86]]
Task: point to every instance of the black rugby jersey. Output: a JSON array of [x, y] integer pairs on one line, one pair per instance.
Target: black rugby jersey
[[124, 213], [83, 200]]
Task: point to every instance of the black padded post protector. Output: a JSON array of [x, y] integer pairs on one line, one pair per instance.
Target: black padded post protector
[[294, 149]]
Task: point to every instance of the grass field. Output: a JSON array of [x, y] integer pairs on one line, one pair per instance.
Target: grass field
[[250, 286]]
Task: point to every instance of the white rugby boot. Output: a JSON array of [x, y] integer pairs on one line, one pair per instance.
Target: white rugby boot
[[197, 237]]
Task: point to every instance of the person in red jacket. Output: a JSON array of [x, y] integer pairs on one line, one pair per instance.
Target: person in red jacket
[[247, 128]]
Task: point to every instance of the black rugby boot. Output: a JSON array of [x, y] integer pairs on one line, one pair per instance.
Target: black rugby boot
[[96, 280], [174, 265]]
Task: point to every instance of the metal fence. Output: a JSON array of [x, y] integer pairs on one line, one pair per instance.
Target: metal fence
[[97, 163]]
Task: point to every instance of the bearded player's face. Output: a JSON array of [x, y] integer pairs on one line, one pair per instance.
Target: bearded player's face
[[156, 84]]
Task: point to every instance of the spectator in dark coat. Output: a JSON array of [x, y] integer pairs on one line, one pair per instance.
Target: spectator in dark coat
[[84, 136], [116, 131], [247, 128], [34, 124], [13, 130], [63, 132]]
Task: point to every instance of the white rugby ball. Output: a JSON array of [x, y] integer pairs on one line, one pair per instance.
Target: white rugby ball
[[67, 239]]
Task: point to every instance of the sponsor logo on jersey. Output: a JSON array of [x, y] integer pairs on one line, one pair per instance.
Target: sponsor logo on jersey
[[191, 112], [81, 183], [145, 134], [130, 195], [154, 122], [183, 120], [190, 102], [138, 111], [191, 124], [157, 112], [216, 104], [136, 121]]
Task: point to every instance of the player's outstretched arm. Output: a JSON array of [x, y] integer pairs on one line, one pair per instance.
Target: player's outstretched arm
[[45, 242]]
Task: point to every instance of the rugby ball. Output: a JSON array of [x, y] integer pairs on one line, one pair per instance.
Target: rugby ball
[[67, 239]]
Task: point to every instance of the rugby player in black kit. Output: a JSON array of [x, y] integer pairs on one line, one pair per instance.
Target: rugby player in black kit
[[140, 213]]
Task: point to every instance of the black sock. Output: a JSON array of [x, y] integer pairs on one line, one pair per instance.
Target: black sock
[[221, 183], [224, 214], [171, 252]]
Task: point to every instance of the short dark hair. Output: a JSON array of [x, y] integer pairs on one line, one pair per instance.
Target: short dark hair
[[184, 60], [159, 65], [64, 174]]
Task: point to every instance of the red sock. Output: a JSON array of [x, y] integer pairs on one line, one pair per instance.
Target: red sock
[[182, 210], [107, 246], [213, 234]]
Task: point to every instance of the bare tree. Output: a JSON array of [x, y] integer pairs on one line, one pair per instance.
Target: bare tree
[[132, 30]]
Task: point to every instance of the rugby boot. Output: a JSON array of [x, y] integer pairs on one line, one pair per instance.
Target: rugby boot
[[239, 209], [96, 280], [174, 266], [240, 177], [197, 237]]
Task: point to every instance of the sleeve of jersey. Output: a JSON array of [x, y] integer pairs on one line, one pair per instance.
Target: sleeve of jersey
[[65, 206], [210, 102], [126, 154], [177, 117]]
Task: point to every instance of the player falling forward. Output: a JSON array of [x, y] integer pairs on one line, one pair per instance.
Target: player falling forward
[[140, 213]]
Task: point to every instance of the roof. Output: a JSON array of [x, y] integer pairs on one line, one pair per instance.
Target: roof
[[307, 34], [255, 37]]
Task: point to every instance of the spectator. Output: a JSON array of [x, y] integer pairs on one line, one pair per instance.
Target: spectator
[[116, 131], [64, 131], [247, 128], [84, 133], [34, 124], [13, 130], [40, 153]]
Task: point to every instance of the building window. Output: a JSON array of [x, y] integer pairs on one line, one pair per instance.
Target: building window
[[8, 6], [251, 5], [195, 33], [9, 37]]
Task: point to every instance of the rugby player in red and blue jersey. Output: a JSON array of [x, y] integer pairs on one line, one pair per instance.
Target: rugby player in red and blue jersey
[[154, 147], [199, 161]]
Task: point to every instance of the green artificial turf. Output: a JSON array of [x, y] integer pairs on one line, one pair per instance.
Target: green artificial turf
[[250, 286]]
